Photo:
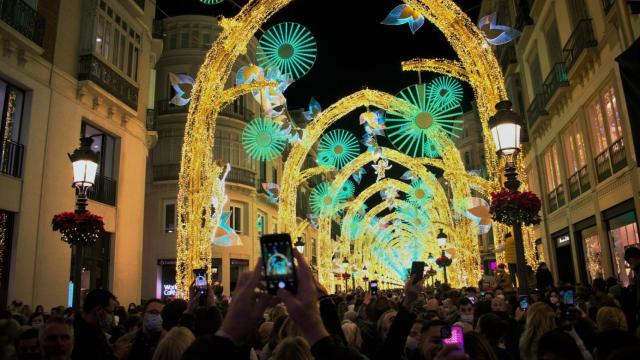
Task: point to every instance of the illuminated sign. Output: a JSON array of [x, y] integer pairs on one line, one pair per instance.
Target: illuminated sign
[[561, 240], [169, 290]]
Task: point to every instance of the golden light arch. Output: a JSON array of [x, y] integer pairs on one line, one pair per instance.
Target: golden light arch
[[199, 172]]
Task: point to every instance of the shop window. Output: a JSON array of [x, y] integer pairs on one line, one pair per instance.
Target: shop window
[[238, 266], [235, 221], [623, 233], [606, 133], [555, 191], [6, 235], [592, 253]]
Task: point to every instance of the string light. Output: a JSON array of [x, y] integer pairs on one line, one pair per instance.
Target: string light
[[199, 172]]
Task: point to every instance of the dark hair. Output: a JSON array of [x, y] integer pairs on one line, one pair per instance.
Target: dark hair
[[493, 327], [35, 315], [97, 298], [599, 285], [559, 343], [152, 301], [207, 321], [30, 333], [429, 324], [172, 312], [477, 347], [464, 302], [609, 341], [631, 253], [132, 321]]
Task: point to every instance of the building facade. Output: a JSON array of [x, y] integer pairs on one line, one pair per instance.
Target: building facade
[[71, 69], [562, 76], [186, 40]]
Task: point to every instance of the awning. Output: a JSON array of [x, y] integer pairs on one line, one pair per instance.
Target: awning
[[629, 63]]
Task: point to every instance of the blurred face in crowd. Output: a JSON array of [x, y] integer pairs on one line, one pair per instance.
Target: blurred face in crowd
[[498, 305], [432, 305], [413, 340], [448, 307], [152, 320], [37, 321], [431, 342], [28, 347], [386, 322], [57, 342], [466, 313]]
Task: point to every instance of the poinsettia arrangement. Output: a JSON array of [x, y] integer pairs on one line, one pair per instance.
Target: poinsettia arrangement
[[444, 261], [431, 272], [81, 228], [513, 207]]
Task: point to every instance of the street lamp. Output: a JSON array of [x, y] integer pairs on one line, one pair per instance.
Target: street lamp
[[345, 267], [299, 244], [85, 166], [365, 276], [505, 127], [442, 242]]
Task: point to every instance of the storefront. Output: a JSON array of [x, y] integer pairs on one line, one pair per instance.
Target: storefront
[[564, 259], [589, 249], [167, 285], [622, 230]]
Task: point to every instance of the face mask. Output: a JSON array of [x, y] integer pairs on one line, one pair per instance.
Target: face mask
[[554, 300], [412, 343], [105, 323], [153, 323], [446, 311], [468, 318]]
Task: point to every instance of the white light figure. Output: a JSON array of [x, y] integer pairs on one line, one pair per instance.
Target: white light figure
[[381, 168], [222, 235]]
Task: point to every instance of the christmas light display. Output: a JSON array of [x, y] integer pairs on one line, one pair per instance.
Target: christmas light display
[[337, 148], [178, 81], [288, 46], [404, 14], [263, 140], [477, 66]]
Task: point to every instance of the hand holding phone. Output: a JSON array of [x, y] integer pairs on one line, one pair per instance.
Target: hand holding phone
[[277, 258], [523, 302], [417, 270], [453, 335], [201, 284], [373, 287]]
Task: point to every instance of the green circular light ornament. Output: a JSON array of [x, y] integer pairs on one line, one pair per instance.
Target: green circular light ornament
[[322, 201], [263, 140], [436, 108], [211, 2], [288, 46], [347, 189], [337, 148], [420, 193]]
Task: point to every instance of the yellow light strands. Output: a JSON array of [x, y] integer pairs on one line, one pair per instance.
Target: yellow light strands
[[198, 172]]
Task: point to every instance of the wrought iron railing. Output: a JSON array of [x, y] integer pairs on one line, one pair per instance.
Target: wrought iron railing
[[536, 110], [25, 19], [229, 111], [241, 176], [92, 68], [11, 154], [611, 160], [151, 119], [162, 172], [164, 107], [607, 5], [103, 190], [556, 198], [579, 182], [581, 38], [556, 79]]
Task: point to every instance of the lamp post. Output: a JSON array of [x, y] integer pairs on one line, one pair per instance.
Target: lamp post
[[345, 267], [85, 166], [505, 127], [365, 276], [442, 242], [299, 244]]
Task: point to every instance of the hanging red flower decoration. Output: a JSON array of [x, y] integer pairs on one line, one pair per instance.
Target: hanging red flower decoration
[[513, 207], [432, 272], [444, 261], [78, 228]]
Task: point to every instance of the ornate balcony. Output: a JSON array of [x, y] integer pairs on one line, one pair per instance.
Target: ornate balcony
[[103, 190], [24, 19], [164, 107], [556, 79], [536, 110], [241, 176], [93, 69], [611, 160], [581, 39], [163, 172], [556, 198], [579, 183], [11, 155]]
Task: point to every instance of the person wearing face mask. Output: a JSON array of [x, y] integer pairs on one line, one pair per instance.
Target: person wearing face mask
[[449, 311], [143, 342], [466, 311], [413, 340], [91, 325]]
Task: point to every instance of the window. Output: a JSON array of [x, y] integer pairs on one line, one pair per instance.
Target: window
[[11, 108], [238, 105], [235, 221], [592, 252], [553, 44], [606, 131], [261, 224], [206, 40], [623, 233], [184, 39], [115, 42], [467, 160], [169, 216], [536, 74], [104, 189], [173, 41], [555, 192], [575, 158], [263, 172], [274, 175]]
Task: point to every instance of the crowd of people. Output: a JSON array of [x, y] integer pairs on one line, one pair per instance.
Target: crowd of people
[[597, 322]]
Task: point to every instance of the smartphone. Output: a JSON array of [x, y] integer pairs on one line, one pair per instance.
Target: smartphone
[[568, 297], [523, 302], [417, 270], [453, 335], [373, 287], [277, 258], [201, 284]]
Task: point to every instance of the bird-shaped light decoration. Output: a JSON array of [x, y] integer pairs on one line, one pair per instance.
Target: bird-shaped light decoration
[[178, 83], [408, 175], [477, 209], [357, 176], [488, 27], [373, 122], [272, 190], [314, 109], [225, 236], [404, 14]]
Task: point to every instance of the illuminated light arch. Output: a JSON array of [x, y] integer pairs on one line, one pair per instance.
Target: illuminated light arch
[[198, 172]]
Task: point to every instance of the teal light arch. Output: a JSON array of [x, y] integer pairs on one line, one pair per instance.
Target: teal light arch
[[288, 46]]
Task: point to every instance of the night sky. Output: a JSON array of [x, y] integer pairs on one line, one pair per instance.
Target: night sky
[[354, 51]]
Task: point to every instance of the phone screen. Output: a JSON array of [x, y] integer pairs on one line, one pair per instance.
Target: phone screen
[[277, 258], [201, 283], [373, 287], [568, 297], [417, 270], [524, 302], [453, 336]]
